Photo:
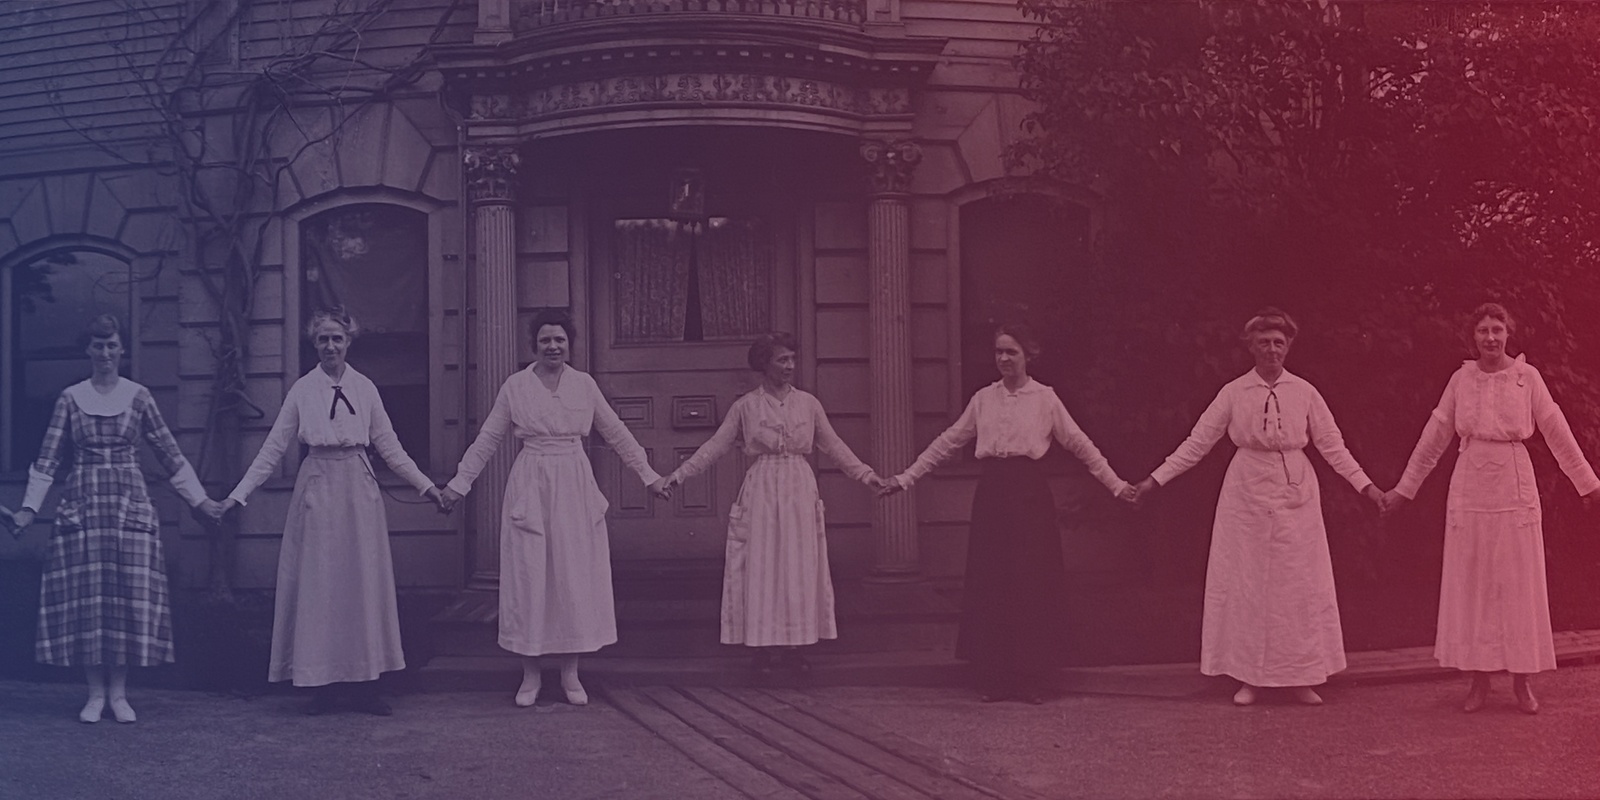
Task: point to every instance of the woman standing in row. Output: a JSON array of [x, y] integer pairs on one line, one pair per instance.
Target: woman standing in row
[[335, 620], [1271, 612], [555, 558], [104, 604], [1494, 611], [1014, 597], [777, 595]]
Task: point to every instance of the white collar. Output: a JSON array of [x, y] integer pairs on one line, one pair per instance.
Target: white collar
[[90, 401]]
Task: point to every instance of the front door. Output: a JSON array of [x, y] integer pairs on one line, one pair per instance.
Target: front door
[[675, 302]]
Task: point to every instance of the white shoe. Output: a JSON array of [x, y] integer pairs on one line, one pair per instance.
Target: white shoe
[[122, 711], [528, 692], [1245, 696], [91, 710], [1307, 696]]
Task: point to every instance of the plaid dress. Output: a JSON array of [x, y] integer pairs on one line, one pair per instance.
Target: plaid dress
[[104, 595]]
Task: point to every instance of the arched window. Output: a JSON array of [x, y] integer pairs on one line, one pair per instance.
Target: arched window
[[48, 302], [1022, 260], [372, 259]]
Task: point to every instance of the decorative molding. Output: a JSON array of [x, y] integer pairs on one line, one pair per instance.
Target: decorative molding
[[491, 173], [891, 162], [732, 89], [536, 14]]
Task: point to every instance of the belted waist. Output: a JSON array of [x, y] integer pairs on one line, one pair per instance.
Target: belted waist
[[772, 456], [334, 450], [1467, 441], [118, 457], [552, 445], [1255, 449]]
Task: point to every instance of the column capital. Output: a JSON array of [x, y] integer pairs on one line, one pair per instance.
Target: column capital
[[892, 161], [491, 173]]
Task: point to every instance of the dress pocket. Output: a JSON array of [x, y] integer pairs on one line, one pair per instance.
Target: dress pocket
[[738, 523]]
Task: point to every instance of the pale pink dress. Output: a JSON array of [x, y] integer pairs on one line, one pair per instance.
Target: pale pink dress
[[1271, 613], [335, 618], [775, 584], [555, 558], [1494, 612]]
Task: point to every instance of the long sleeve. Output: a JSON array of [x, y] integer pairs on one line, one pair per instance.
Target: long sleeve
[[284, 430], [42, 473], [616, 434], [1329, 441], [1558, 435], [155, 431], [947, 444], [828, 441], [490, 434], [1211, 427], [1436, 436], [380, 431], [1066, 431], [717, 446]]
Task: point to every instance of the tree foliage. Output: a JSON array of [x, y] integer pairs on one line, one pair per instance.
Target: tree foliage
[[1378, 169]]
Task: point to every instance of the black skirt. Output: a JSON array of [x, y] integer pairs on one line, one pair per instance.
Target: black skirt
[[1013, 614]]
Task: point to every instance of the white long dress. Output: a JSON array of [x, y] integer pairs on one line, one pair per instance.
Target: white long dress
[[776, 589], [1494, 610], [1271, 613], [335, 618], [555, 559]]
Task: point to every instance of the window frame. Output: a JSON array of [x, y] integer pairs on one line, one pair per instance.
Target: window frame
[[293, 274], [29, 254]]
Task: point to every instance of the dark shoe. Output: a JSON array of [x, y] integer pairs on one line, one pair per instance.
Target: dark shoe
[[762, 662], [797, 662], [375, 705], [1476, 696], [1526, 702], [321, 702]]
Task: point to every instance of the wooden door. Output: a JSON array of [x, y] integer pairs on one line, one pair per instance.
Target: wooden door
[[674, 306]]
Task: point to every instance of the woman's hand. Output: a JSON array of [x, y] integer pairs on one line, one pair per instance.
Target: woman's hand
[[21, 518], [1137, 493], [225, 506], [211, 509], [447, 498], [662, 487], [1377, 496], [1392, 501], [891, 486]]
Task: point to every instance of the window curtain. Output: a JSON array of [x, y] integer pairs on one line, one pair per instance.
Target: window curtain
[[736, 260], [650, 264]]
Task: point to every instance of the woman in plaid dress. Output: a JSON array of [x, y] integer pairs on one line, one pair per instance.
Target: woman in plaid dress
[[103, 603]]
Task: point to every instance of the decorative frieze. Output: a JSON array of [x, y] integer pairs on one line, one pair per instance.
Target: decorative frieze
[[701, 88]]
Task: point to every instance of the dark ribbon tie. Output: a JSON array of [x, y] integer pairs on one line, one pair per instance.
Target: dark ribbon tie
[[338, 396]]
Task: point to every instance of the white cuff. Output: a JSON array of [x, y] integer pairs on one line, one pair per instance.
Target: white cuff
[[38, 486], [188, 486]]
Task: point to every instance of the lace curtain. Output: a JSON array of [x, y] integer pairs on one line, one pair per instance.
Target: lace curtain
[[652, 260]]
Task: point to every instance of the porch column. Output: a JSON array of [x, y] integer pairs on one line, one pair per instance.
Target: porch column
[[491, 188], [889, 332]]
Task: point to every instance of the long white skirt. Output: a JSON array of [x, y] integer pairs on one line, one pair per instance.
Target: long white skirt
[[555, 558], [775, 584], [1271, 614], [335, 619], [1494, 607]]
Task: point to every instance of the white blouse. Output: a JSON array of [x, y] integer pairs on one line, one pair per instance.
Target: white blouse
[[317, 416], [769, 426], [527, 410], [1504, 406], [1277, 417], [1019, 423]]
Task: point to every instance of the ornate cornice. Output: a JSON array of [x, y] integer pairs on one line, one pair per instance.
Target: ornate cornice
[[491, 173], [699, 89], [891, 163]]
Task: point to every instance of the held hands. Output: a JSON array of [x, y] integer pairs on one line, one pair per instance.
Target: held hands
[[890, 486], [447, 498], [17, 520], [1378, 497], [1391, 502], [1136, 494], [663, 486]]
